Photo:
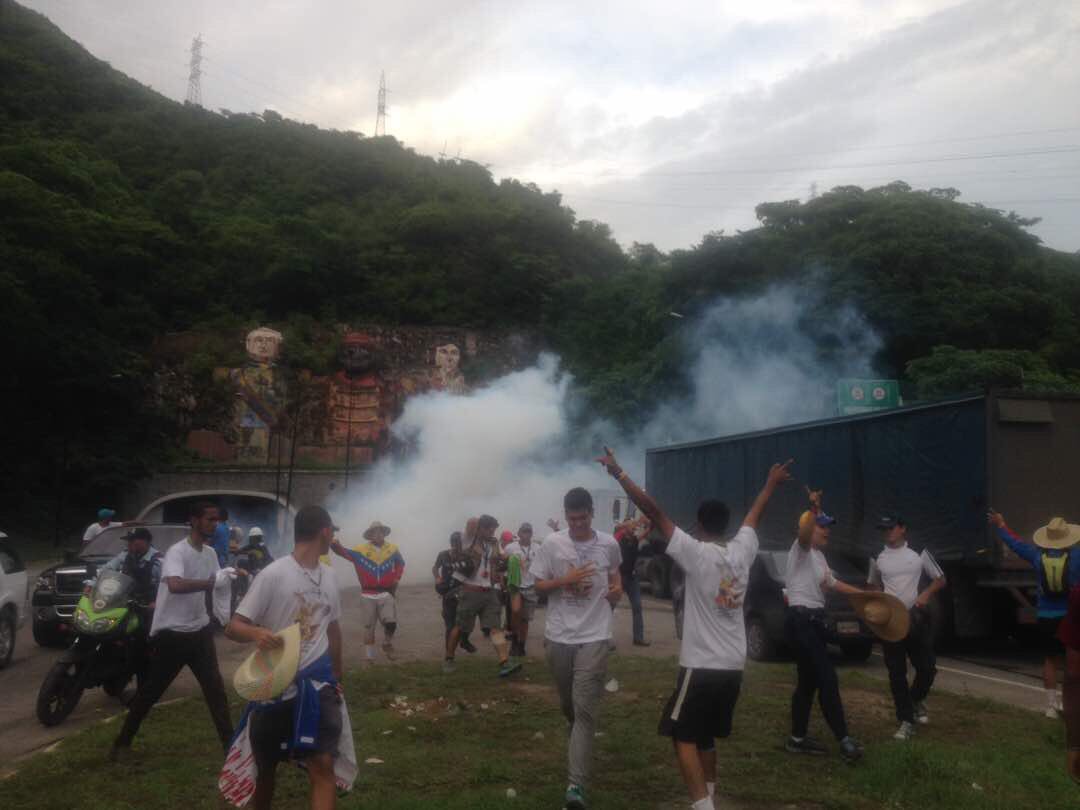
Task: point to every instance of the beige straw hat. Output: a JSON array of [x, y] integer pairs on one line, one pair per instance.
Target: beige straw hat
[[1057, 534], [883, 613], [376, 527], [265, 674]]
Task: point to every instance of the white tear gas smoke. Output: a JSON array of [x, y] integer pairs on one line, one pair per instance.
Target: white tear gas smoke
[[508, 449]]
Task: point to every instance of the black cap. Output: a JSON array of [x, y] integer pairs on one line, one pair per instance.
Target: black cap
[[890, 520], [140, 534]]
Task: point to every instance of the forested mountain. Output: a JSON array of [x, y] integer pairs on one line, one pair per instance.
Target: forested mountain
[[124, 215]]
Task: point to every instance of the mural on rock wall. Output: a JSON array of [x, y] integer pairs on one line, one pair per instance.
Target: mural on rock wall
[[352, 411]]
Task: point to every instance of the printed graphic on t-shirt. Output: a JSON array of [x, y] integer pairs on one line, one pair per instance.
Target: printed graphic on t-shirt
[[310, 614]]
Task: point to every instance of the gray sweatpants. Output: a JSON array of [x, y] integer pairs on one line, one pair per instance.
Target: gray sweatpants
[[579, 671]]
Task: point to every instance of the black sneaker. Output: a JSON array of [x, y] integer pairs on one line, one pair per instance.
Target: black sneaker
[[807, 745], [850, 750], [468, 646]]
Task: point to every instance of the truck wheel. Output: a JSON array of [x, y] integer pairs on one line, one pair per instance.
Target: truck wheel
[[758, 644], [59, 694], [45, 635], [7, 638], [857, 651]]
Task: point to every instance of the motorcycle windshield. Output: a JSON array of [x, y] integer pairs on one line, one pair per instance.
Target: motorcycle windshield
[[111, 590]]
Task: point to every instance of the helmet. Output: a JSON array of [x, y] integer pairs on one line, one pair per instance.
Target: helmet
[[254, 532]]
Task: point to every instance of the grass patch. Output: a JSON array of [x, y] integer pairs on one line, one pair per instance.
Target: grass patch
[[459, 742]]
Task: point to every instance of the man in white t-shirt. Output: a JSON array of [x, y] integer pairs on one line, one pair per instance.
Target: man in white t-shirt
[[713, 651], [579, 571], [104, 521], [807, 580], [898, 570], [181, 634], [300, 589]]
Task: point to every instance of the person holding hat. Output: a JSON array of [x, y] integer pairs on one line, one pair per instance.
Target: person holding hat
[[379, 567], [104, 521], [712, 655], [899, 571], [1057, 565], [807, 579], [142, 562], [481, 569], [308, 719], [519, 580]]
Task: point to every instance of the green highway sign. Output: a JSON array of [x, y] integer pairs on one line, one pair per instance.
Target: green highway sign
[[862, 396]]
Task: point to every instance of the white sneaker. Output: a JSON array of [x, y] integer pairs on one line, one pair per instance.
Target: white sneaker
[[1051, 713], [921, 715], [905, 732]]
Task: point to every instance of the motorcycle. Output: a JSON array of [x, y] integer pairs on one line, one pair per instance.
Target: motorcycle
[[106, 622]]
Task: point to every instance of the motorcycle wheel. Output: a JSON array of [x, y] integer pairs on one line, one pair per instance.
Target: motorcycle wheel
[[59, 694]]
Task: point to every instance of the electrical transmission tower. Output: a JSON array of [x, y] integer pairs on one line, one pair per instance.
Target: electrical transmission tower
[[380, 118], [194, 84]]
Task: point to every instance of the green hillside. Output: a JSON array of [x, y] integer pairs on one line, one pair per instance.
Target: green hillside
[[125, 216]]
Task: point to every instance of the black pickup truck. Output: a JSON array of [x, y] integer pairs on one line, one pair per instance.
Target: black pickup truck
[[57, 590]]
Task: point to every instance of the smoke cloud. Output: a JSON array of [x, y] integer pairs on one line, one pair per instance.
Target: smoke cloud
[[510, 449]]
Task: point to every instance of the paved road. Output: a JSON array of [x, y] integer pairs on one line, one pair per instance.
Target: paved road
[[420, 638]]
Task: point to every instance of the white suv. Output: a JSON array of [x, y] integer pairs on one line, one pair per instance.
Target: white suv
[[14, 595]]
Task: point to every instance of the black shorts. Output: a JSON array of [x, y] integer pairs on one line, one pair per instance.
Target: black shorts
[[272, 728], [1048, 637], [702, 706]]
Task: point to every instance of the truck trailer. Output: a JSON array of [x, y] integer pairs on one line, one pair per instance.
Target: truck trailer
[[940, 465]]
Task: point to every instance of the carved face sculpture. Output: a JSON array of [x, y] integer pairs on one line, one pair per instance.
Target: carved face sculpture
[[264, 345], [447, 359], [358, 353]]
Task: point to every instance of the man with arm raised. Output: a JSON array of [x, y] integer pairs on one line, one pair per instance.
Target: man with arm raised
[[713, 651]]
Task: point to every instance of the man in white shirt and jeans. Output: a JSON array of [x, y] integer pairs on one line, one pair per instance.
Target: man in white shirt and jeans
[[579, 571], [181, 634], [713, 651], [898, 570]]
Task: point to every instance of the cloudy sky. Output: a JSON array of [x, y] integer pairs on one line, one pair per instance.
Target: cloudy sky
[[664, 119]]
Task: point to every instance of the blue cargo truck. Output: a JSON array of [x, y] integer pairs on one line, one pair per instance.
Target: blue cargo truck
[[940, 465]]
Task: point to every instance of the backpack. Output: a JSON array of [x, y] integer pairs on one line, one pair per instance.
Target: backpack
[[1054, 572]]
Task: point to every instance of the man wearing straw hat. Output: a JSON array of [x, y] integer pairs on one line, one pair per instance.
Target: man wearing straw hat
[[807, 579], [379, 566], [1058, 567], [899, 571], [296, 709]]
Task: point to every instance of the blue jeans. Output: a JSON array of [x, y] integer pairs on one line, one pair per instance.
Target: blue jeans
[[632, 588]]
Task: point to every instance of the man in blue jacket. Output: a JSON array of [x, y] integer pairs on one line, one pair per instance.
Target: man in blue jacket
[[1057, 564]]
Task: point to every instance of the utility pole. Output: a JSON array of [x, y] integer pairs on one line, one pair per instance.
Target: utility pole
[[194, 85], [380, 118]]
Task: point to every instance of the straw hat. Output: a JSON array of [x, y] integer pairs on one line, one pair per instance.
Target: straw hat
[[376, 527], [883, 613], [1057, 534], [266, 673]]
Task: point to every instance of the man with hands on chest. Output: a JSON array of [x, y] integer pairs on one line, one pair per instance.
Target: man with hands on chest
[[578, 568]]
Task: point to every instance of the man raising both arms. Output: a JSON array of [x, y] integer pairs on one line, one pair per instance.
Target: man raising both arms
[[579, 571], [713, 651]]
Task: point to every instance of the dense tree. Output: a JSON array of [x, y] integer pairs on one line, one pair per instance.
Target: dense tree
[[125, 216]]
